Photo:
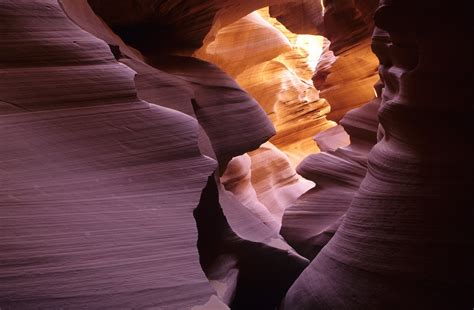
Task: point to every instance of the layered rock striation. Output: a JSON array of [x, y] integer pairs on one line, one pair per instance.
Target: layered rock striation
[[348, 68], [116, 182], [148, 153], [406, 239], [89, 212]]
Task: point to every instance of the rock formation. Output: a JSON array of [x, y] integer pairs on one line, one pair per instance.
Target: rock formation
[[275, 66], [406, 240], [338, 171], [127, 156], [345, 82], [148, 152], [88, 176]]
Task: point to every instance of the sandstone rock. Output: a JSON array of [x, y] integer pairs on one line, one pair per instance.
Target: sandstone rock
[[406, 240], [90, 215], [190, 91], [346, 81], [338, 171]]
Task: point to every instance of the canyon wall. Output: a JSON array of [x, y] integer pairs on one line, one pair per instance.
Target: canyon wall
[[185, 155], [345, 81], [406, 240], [104, 193]]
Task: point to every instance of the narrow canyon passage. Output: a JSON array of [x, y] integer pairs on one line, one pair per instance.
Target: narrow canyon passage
[[275, 67], [221, 154]]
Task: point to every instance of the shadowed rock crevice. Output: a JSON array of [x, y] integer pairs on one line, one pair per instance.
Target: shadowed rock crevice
[[264, 273]]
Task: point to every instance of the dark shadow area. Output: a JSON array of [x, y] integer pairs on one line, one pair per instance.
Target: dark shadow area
[[265, 273]]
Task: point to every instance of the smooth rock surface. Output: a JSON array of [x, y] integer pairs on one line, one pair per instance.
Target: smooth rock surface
[[89, 206], [406, 240]]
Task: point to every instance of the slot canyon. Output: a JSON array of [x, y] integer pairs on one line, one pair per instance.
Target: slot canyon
[[236, 154]]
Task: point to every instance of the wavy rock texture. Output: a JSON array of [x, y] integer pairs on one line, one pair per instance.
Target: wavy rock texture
[[350, 81], [90, 215], [240, 254], [246, 249], [344, 22], [134, 175], [236, 247], [179, 26], [406, 240], [264, 182], [346, 81], [313, 219], [348, 84], [198, 80], [275, 66]]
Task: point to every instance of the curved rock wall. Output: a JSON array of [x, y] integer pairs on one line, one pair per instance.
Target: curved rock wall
[[114, 180], [346, 80], [88, 177], [275, 66], [137, 176], [312, 220], [406, 240]]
